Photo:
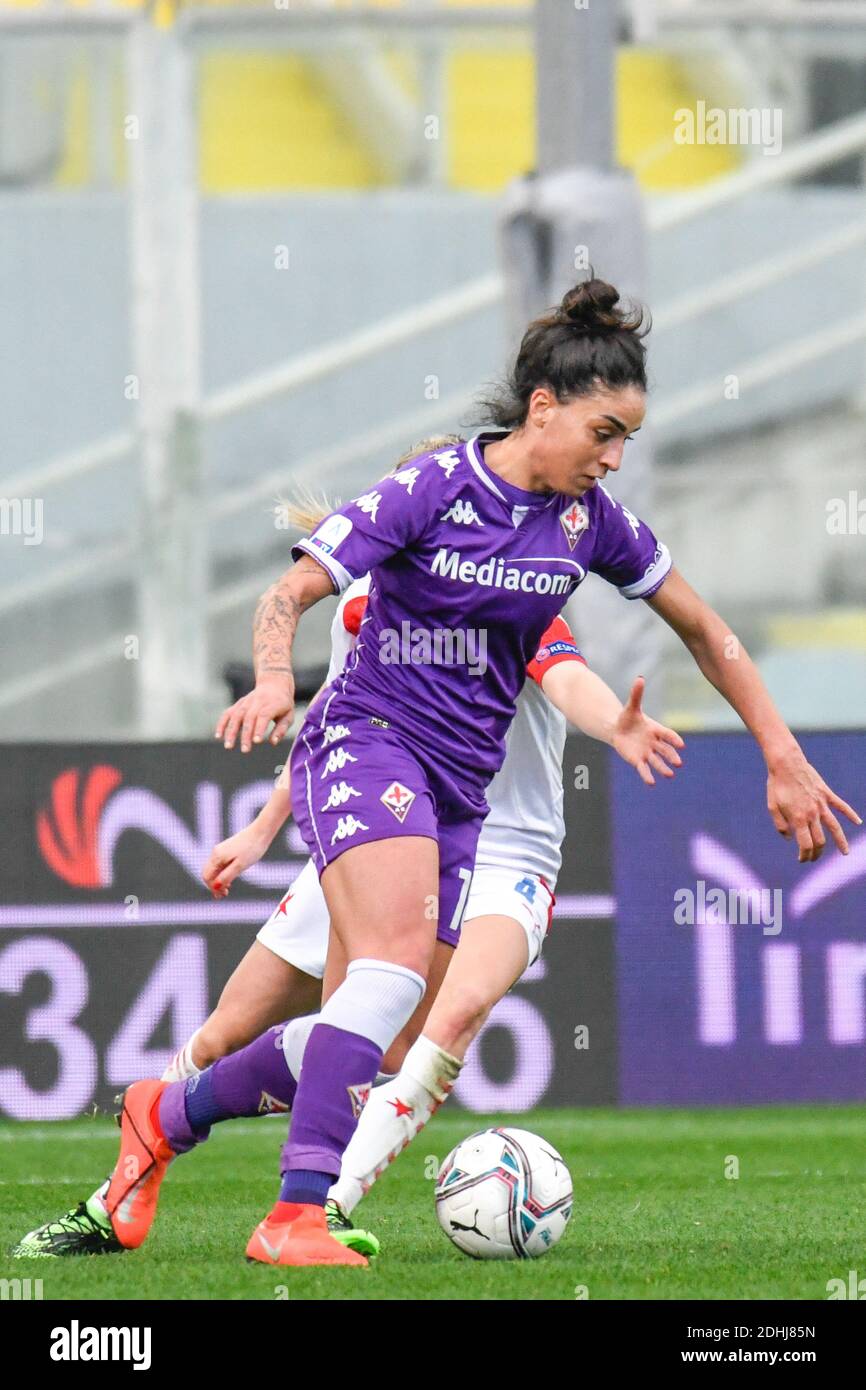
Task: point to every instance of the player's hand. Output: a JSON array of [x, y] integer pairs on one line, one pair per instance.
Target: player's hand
[[642, 742], [231, 857], [801, 806], [272, 702]]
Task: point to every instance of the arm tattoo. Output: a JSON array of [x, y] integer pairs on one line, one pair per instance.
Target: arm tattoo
[[274, 627], [276, 620]]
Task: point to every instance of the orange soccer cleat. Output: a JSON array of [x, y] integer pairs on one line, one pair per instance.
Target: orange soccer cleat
[[302, 1239], [133, 1191]]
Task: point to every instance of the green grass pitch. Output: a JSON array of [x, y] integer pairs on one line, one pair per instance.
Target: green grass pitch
[[655, 1216]]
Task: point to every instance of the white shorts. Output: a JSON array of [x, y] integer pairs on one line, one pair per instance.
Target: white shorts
[[498, 892], [297, 930]]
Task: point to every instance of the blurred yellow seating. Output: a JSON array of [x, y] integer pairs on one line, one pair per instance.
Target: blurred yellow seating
[[268, 122], [842, 628]]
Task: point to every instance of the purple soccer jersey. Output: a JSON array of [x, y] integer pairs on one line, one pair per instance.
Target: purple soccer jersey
[[467, 573]]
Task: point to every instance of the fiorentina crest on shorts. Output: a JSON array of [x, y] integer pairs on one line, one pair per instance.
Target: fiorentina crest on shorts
[[359, 1095], [398, 799], [574, 521]]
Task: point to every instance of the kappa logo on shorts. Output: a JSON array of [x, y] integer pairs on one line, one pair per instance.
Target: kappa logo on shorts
[[359, 1095], [574, 522], [339, 794], [334, 732], [398, 799], [337, 759], [347, 826]]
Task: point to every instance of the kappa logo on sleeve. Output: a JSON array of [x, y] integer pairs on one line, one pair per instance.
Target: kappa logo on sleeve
[[368, 503], [447, 460], [574, 522], [398, 799], [631, 519], [407, 478], [331, 533]]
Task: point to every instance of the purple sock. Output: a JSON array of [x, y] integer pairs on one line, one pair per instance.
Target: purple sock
[[254, 1081], [339, 1069], [303, 1185]]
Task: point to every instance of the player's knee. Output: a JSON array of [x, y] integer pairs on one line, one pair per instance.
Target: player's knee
[[461, 1012], [223, 1033]]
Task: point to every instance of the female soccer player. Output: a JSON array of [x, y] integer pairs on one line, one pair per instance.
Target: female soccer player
[[487, 538], [483, 537], [508, 914]]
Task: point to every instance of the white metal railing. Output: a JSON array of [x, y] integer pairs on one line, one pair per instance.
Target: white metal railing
[[436, 24], [817, 151], [760, 14], [336, 458], [758, 371], [103, 560], [31, 481], [685, 14], [382, 439], [403, 327], [767, 272], [20, 689]]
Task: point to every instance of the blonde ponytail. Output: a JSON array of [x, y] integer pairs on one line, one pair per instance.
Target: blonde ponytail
[[307, 510], [427, 446]]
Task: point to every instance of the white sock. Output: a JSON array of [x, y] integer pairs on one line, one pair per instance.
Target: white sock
[[295, 1037], [376, 1000], [182, 1067], [393, 1115]]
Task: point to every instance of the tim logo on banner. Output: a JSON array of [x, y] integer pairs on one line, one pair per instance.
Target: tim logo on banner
[[759, 993]]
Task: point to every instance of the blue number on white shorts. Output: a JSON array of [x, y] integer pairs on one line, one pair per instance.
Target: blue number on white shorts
[[527, 887]]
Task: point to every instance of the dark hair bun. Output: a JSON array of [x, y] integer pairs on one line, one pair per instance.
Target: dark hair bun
[[588, 340], [591, 306]]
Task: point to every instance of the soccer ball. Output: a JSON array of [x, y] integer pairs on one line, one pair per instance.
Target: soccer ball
[[503, 1194]]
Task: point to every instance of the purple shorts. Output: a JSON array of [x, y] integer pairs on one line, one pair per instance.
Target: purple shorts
[[355, 780]]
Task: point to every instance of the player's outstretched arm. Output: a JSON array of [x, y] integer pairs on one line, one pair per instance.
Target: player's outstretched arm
[[234, 855], [274, 627], [591, 706], [799, 801]]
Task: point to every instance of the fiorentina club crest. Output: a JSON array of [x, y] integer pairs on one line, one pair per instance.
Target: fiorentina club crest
[[359, 1095], [398, 799], [269, 1105], [574, 522]]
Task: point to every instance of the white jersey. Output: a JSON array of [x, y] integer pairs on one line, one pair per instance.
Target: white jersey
[[525, 828]]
